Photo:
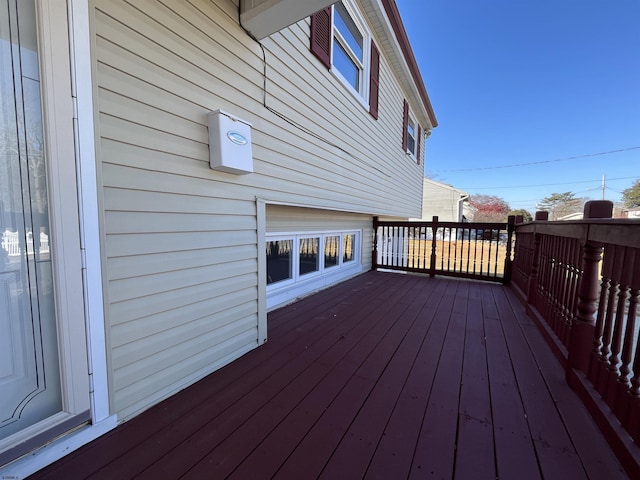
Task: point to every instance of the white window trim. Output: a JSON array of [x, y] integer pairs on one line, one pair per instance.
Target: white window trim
[[295, 253], [302, 284], [363, 94]]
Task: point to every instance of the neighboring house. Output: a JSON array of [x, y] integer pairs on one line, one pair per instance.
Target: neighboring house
[[631, 212], [571, 216], [130, 269], [447, 202]]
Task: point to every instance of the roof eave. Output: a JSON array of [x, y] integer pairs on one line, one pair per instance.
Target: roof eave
[[393, 15]]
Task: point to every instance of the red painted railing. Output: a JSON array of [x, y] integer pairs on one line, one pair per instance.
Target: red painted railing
[[480, 251], [581, 280]]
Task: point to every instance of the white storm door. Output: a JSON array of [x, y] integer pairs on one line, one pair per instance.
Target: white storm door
[[40, 397], [29, 367]]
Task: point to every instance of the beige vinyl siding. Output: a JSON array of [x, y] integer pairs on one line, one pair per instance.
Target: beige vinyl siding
[[181, 245]]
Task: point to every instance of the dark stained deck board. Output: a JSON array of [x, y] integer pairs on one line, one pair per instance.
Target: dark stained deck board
[[590, 445], [394, 453], [310, 456], [272, 452], [434, 454], [475, 449], [515, 451], [555, 451], [354, 452], [384, 376]]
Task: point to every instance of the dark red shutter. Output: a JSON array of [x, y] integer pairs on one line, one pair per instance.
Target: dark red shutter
[[405, 123], [374, 81], [321, 36], [419, 141]]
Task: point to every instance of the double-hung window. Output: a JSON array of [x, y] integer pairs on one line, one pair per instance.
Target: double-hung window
[[411, 137], [411, 134], [348, 48], [341, 41]]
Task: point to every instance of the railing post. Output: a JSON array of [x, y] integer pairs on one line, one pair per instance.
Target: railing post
[[433, 259], [532, 287], [541, 216], [511, 226], [584, 323], [374, 260]]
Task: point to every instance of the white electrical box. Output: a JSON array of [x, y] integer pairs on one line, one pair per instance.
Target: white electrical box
[[229, 143]]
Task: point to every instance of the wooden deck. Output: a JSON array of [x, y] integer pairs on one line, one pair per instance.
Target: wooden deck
[[386, 376]]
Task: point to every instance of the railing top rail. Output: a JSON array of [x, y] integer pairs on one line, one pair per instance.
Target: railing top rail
[[476, 225], [624, 232]]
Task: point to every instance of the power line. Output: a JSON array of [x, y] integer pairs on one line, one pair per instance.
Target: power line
[[545, 184], [542, 162]]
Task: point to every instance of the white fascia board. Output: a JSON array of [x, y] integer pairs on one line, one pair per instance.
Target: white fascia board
[[384, 30]]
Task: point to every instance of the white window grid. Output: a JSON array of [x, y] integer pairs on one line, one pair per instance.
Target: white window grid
[[322, 269]]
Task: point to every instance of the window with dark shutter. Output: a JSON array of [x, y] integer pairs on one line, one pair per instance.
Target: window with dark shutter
[[374, 84], [321, 36], [419, 141], [405, 124], [339, 38]]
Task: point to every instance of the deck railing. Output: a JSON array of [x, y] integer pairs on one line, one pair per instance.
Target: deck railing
[[472, 250], [581, 280]]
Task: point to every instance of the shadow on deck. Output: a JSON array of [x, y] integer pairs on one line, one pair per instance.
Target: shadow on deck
[[385, 376]]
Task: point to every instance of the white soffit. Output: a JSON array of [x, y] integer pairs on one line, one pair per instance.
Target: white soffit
[[264, 17]]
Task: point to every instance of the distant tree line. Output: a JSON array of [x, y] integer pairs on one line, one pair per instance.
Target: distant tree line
[[490, 208]]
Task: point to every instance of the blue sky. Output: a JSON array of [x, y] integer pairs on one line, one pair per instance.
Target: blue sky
[[524, 81]]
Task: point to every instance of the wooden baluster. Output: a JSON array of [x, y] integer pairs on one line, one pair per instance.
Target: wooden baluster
[[573, 278], [596, 355], [508, 262], [631, 277], [433, 260], [609, 320], [532, 288], [583, 326], [633, 418], [386, 242], [569, 297], [418, 242], [548, 267], [558, 286], [467, 233], [448, 243], [613, 370]]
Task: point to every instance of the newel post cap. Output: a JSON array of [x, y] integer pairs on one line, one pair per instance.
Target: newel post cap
[[598, 209]]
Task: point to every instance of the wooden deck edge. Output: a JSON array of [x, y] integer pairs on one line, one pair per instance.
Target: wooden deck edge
[[558, 349], [623, 446]]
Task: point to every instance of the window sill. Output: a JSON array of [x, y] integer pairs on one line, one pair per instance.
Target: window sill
[[359, 98]]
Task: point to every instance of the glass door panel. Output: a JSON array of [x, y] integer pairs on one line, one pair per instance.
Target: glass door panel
[[29, 365]]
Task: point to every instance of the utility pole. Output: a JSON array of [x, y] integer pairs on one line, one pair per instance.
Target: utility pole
[[603, 186]]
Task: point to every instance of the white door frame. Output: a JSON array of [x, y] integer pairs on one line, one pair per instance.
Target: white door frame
[[78, 42]]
